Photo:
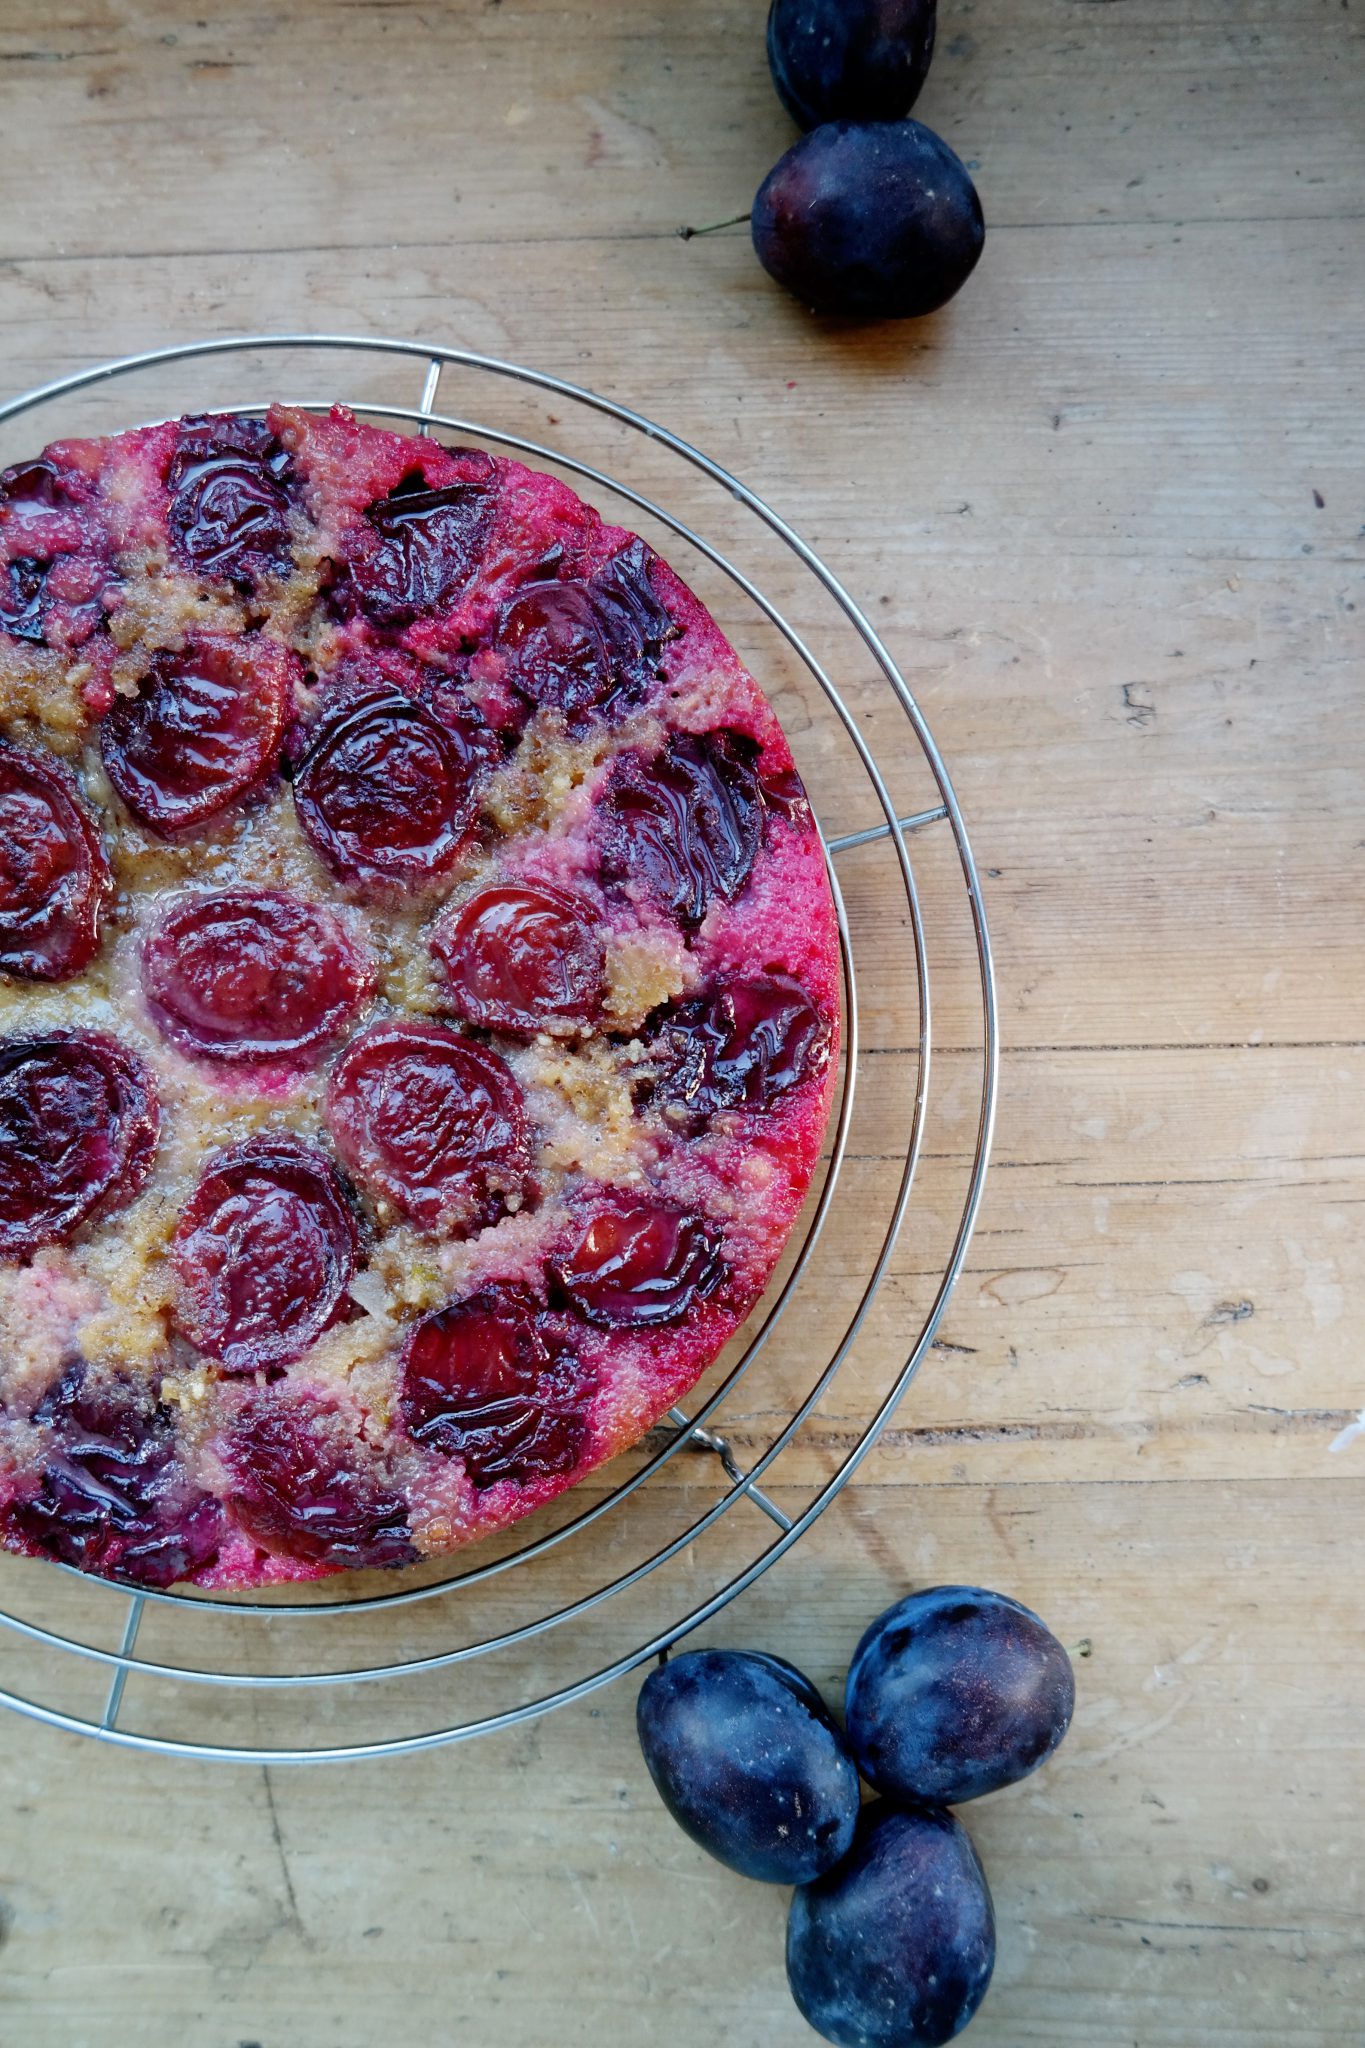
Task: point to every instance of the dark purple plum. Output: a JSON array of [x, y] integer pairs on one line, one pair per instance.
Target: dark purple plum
[[873, 220], [849, 60], [737, 1047], [639, 1264], [53, 567], [487, 1380], [245, 975], [687, 825], [590, 645], [387, 792], [54, 877], [418, 548], [432, 1124], [112, 1497], [954, 1692], [264, 1252], [747, 1758], [522, 957], [228, 514], [79, 1123], [895, 1947], [304, 1484], [203, 729]]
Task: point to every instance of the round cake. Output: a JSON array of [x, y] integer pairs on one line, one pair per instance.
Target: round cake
[[419, 997]]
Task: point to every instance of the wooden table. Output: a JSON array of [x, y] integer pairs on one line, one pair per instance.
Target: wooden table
[[1108, 510]]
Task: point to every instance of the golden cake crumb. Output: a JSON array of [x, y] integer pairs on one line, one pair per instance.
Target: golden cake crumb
[[43, 688], [642, 974], [583, 1106]]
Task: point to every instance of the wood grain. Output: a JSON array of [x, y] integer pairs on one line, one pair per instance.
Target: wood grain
[[1108, 510]]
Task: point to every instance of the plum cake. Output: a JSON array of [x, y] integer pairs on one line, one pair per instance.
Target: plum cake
[[419, 997]]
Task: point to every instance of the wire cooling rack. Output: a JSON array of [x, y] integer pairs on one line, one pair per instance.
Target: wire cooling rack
[[636, 1557]]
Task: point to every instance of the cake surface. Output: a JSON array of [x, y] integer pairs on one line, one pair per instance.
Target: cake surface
[[419, 997]]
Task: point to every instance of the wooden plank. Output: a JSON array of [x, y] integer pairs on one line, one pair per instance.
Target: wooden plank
[[544, 122], [1162, 1281], [1184, 1871], [1132, 703]]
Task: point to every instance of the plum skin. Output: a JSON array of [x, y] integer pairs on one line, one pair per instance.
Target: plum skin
[[871, 220], [895, 1947], [639, 1264], [850, 60], [955, 1692], [748, 1760]]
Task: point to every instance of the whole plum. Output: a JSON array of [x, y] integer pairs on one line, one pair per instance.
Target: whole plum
[[747, 1758], [872, 220], [895, 1947], [954, 1692], [850, 60]]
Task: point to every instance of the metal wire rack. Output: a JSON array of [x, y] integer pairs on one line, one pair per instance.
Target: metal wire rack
[[586, 1592]]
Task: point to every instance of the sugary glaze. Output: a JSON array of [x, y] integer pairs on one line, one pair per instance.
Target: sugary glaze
[[418, 997]]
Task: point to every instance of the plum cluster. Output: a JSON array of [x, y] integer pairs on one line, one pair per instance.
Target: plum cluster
[[952, 1693], [869, 215]]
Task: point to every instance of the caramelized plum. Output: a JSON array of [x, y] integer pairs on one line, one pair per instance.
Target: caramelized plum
[[483, 1382], [306, 1485], [204, 729], [76, 593], [53, 570], [576, 646], [22, 593], [229, 508], [35, 486], [52, 603], [784, 793], [387, 791], [738, 1047], [112, 1497], [521, 957], [54, 878], [688, 824], [264, 1252], [79, 1122], [252, 975], [431, 1123], [638, 1264], [418, 548]]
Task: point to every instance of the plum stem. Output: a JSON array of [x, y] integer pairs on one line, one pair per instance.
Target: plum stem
[[712, 227], [1083, 1648]]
